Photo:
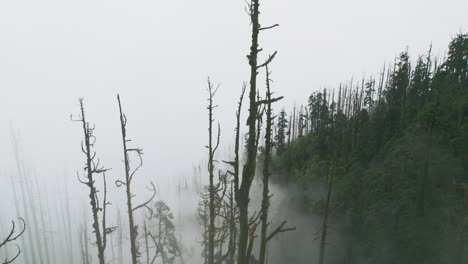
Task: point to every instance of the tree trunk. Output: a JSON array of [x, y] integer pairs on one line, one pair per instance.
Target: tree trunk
[[323, 236], [248, 171], [266, 175], [132, 227]]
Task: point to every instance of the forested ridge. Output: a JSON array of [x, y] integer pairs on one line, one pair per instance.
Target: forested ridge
[[390, 156]]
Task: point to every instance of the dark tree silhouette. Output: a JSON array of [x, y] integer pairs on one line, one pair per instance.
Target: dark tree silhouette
[[211, 153], [11, 237], [127, 182], [264, 236], [92, 169], [248, 171]]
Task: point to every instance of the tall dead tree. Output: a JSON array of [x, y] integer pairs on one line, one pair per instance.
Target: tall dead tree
[[129, 173], [11, 237], [235, 164], [233, 194], [266, 169], [248, 171], [92, 169], [211, 153]]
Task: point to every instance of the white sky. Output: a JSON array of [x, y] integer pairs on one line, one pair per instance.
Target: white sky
[[158, 54]]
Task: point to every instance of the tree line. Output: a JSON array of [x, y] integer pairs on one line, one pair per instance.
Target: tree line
[[391, 154]]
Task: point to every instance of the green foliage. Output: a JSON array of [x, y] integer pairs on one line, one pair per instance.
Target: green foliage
[[281, 133], [164, 230], [400, 190]]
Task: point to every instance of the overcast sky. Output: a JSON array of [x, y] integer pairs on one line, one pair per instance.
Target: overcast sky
[[158, 55]]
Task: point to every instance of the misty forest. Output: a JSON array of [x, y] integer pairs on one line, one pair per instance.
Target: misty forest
[[371, 170]]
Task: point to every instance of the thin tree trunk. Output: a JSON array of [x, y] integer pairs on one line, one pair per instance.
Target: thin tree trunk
[[91, 168], [266, 175], [132, 228], [212, 150], [323, 236], [68, 224], [145, 229], [119, 238]]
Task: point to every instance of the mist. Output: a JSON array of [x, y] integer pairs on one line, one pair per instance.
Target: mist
[[62, 62]]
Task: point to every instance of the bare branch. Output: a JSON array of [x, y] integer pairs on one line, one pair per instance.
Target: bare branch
[[153, 188], [270, 27], [268, 61], [280, 229]]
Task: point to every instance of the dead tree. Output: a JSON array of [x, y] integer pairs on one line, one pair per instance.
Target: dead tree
[[233, 195], [129, 173], [92, 169], [211, 153], [11, 237], [323, 236], [266, 169], [248, 171], [235, 164], [226, 211]]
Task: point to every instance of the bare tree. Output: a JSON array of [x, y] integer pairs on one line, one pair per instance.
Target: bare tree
[[211, 153], [248, 171], [129, 173], [266, 174], [12, 236], [92, 169], [233, 194]]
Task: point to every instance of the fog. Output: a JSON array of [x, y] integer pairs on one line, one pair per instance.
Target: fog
[[158, 55]]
